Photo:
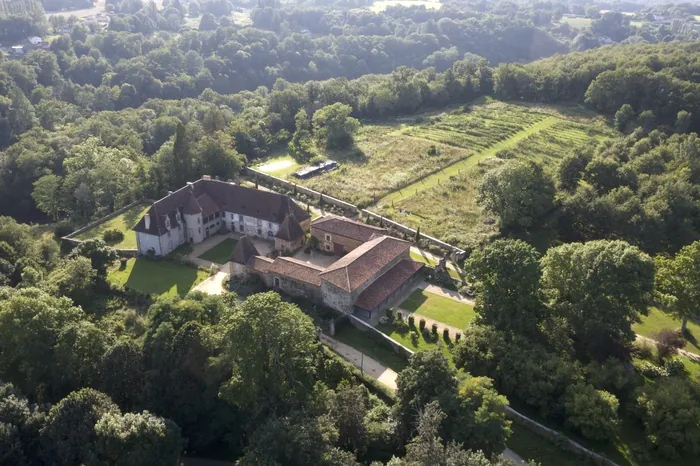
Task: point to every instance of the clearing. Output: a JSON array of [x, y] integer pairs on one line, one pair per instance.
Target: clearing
[[658, 320], [159, 277], [382, 5], [221, 253], [280, 166], [580, 23], [444, 310], [123, 222]]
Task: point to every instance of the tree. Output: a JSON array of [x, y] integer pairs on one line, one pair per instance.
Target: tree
[[669, 412], [624, 118], [122, 374], [135, 439], [182, 158], [272, 348], [217, 155], [47, 195], [678, 282], [479, 418], [427, 377], [507, 274], [683, 121], [74, 278], [591, 411], [334, 127], [208, 22], [348, 408], [301, 145], [570, 170], [518, 192], [601, 288], [101, 256], [69, 435]]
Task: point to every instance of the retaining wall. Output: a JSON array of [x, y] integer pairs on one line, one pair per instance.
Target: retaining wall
[[69, 238], [273, 180]]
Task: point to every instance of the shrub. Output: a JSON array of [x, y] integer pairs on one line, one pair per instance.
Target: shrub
[[63, 228], [411, 322], [612, 375], [593, 412], [112, 236], [426, 333], [674, 366], [390, 314], [458, 336], [399, 316], [421, 324], [435, 329], [414, 337], [649, 369], [446, 334], [643, 349], [122, 262], [668, 341]]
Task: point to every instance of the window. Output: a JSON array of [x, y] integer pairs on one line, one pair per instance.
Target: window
[[277, 282], [217, 214], [240, 218], [328, 237], [269, 224], [200, 229], [199, 220], [167, 222], [259, 231], [233, 216], [177, 217], [328, 247]]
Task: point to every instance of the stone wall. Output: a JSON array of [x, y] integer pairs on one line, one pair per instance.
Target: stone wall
[[336, 298], [297, 288]]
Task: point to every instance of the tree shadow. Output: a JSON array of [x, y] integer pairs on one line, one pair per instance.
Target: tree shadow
[[690, 338]]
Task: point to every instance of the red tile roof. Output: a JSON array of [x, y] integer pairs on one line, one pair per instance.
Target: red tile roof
[[260, 263], [360, 264], [297, 270], [385, 285], [347, 228]]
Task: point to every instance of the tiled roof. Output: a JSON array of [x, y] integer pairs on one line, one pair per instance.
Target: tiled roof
[[192, 207], [360, 264], [243, 251], [265, 205], [260, 263], [290, 229], [297, 270], [347, 228], [385, 285]]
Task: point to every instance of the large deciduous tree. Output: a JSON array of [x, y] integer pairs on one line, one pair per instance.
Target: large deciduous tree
[[334, 127], [518, 192], [601, 288], [678, 282], [507, 275], [593, 412]]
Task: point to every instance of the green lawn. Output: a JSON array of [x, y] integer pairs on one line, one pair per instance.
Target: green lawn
[[403, 336], [531, 446], [445, 310], [221, 253], [280, 166], [158, 277], [123, 222], [359, 340], [658, 320]]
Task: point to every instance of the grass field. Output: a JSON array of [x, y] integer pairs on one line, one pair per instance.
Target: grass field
[[445, 310], [158, 277], [403, 336], [359, 340], [658, 320], [281, 166], [382, 5], [123, 222], [579, 23], [221, 253]]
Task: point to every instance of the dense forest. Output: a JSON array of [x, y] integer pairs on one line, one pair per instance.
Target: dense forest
[[92, 372]]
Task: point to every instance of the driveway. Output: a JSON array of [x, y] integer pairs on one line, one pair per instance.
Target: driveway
[[213, 285]]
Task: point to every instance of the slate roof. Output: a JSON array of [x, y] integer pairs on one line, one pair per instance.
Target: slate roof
[[347, 228], [297, 270], [265, 205], [388, 283], [360, 264], [243, 251], [290, 229]]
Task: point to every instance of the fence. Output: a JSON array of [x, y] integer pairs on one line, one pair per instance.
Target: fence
[[69, 238], [273, 180], [555, 437]]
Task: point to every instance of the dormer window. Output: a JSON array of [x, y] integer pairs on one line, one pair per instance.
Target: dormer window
[[167, 222], [177, 217]]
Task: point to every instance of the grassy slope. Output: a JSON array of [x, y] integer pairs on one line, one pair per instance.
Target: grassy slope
[[445, 310], [658, 320], [123, 222], [351, 336], [158, 277], [221, 253]]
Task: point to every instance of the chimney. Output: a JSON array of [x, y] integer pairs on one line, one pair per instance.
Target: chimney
[[147, 220]]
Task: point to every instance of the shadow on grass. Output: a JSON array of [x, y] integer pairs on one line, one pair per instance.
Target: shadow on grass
[[414, 301], [688, 335], [159, 277]]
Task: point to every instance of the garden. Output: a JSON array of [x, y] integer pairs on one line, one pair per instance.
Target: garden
[[117, 231], [221, 253], [445, 310]]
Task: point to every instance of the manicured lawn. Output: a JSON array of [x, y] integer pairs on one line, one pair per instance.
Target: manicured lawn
[[403, 336], [221, 253], [359, 340], [158, 277], [658, 320], [445, 310], [123, 222]]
